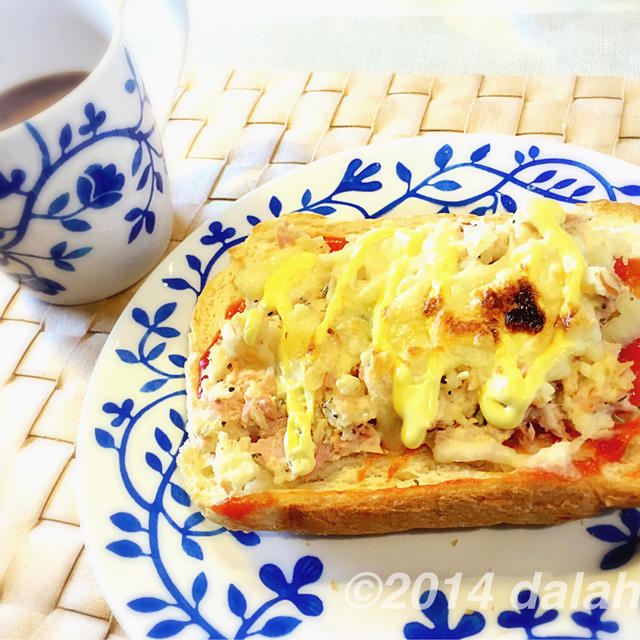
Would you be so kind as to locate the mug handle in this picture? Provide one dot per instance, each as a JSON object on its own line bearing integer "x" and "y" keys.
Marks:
{"x": 156, "y": 34}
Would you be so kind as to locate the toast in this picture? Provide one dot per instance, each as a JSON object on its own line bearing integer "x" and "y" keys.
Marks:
{"x": 439, "y": 371}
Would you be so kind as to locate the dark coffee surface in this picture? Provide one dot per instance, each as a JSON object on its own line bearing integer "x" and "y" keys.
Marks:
{"x": 23, "y": 101}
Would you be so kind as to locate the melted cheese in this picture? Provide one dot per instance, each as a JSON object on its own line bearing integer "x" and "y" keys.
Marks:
{"x": 232, "y": 462}
{"x": 385, "y": 277}
{"x": 506, "y": 396}
{"x": 358, "y": 255}
{"x": 298, "y": 444}
{"x": 417, "y": 402}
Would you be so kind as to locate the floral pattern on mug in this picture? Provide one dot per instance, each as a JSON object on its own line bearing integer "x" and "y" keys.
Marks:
{"x": 98, "y": 187}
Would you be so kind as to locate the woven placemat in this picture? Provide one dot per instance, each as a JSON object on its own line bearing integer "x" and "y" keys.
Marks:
{"x": 230, "y": 132}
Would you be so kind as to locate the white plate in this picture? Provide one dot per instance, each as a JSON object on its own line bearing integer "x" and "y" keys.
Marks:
{"x": 166, "y": 573}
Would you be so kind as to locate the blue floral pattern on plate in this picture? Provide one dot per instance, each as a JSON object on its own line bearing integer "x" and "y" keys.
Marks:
{"x": 133, "y": 422}
{"x": 525, "y": 618}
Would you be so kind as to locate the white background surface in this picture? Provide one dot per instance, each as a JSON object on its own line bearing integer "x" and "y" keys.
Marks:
{"x": 456, "y": 36}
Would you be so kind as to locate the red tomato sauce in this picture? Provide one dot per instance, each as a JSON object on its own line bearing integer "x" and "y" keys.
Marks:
{"x": 235, "y": 307}
{"x": 362, "y": 472}
{"x": 606, "y": 450}
{"x": 238, "y": 508}
{"x": 335, "y": 243}
{"x": 592, "y": 454}
{"x": 631, "y": 353}
{"x": 629, "y": 273}
{"x": 395, "y": 466}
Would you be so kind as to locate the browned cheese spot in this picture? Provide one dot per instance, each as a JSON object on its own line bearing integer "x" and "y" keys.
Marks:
{"x": 432, "y": 306}
{"x": 458, "y": 326}
{"x": 517, "y": 304}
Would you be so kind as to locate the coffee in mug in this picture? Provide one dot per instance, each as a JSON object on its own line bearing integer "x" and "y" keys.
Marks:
{"x": 29, "y": 98}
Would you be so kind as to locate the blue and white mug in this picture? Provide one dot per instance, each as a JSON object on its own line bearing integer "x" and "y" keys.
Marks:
{"x": 85, "y": 209}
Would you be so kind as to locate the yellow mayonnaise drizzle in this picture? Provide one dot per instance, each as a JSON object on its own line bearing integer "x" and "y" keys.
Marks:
{"x": 358, "y": 255}
{"x": 506, "y": 396}
{"x": 416, "y": 402}
{"x": 434, "y": 253}
{"x": 379, "y": 331}
{"x": 298, "y": 442}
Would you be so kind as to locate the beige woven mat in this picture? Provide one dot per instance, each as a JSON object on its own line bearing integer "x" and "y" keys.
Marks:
{"x": 229, "y": 132}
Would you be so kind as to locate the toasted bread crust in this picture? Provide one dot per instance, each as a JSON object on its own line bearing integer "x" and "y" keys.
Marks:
{"x": 476, "y": 499}
{"x": 516, "y": 498}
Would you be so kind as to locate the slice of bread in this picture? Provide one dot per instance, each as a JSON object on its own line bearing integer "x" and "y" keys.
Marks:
{"x": 384, "y": 485}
